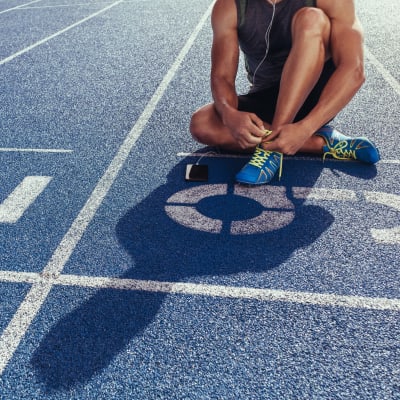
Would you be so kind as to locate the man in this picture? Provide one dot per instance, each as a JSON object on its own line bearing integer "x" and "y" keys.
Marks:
{"x": 304, "y": 61}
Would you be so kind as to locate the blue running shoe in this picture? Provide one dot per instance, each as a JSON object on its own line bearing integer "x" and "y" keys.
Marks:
{"x": 343, "y": 147}
{"x": 261, "y": 168}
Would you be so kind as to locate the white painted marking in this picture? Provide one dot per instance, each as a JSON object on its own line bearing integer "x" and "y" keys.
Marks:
{"x": 390, "y": 235}
{"x": 32, "y": 303}
{"x": 324, "y": 194}
{"x": 306, "y": 298}
{"x": 213, "y": 155}
{"x": 383, "y": 71}
{"x": 196, "y": 193}
{"x": 61, "y": 5}
{"x": 22, "y": 150}
{"x": 19, "y": 277}
{"x": 19, "y": 324}
{"x": 198, "y": 289}
{"x": 291, "y": 158}
{"x": 20, "y": 6}
{"x": 278, "y": 213}
{"x": 15, "y": 205}
{"x": 389, "y": 161}
{"x": 179, "y": 208}
{"x": 72, "y": 237}
{"x": 40, "y": 42}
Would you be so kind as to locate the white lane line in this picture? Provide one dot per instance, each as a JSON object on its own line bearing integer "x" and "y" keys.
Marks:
{"x": 72, "y": 237}
{"x": 383, "y": 71}
{"x": 40, "y": 7}
{"x": 198, "y": 289}
{"x": 20, "y": 6}
{"x": 40, "y": 42}
{"x": 20, "y": 199}
{"x": 296, "y": 158}
{"x": 305, "y": 298}
{"x": 29, "y": 307}
{"x": 213, "y": 155}
{"x": 19, "y": 324}
{"x": 22, "y": 150}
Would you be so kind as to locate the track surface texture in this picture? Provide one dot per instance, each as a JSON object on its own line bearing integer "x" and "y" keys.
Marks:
{"x": 120, "y": 280}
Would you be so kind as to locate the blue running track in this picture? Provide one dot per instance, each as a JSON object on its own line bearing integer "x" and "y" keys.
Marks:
{"x": 120, "y": 280}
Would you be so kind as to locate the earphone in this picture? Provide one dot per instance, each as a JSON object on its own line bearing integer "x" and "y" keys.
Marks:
{"x": 266, "y": 38}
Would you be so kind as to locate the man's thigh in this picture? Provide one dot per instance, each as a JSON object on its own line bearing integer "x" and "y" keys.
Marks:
{"x": 263, "y": 103}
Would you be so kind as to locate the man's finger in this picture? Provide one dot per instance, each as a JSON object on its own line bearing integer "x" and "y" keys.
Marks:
{"x": 271, "y": 146}
{"x": 258, "y": 132}
{"x": 254, "y": 141}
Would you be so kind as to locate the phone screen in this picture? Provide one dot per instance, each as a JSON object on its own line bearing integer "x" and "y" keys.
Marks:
{"x": 196, "y": 172}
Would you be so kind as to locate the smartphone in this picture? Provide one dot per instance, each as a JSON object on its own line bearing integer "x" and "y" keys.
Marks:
{"x": 196, "y": 172}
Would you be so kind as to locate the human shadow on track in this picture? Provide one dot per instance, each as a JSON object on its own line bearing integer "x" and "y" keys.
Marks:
{"x": 84, "y": 342}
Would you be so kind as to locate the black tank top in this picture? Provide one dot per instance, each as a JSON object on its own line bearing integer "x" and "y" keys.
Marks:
{"x": 254, "y": 18}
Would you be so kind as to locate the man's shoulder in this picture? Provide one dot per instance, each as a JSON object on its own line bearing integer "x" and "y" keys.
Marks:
{"x": 224, "y": 16}
{"x": 227, "y": 4}
{"x": 222, "y": 7}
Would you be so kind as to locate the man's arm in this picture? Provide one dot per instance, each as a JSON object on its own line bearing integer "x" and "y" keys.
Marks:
{"x": 224, "y": 56}
{"x": 346, "y": 48}
{"x": 246, "y": 128}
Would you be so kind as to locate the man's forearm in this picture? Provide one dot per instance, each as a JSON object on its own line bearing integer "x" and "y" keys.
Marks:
{"x": 225, "y": 97}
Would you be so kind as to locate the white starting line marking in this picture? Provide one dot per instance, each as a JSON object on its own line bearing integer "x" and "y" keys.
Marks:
{"x": 198, "y": 289}
{"x": 297, "y": 158}
{"x": 14, "y": 206}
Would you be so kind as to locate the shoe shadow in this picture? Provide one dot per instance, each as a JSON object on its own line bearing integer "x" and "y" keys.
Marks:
{"x": 84, "y": 342}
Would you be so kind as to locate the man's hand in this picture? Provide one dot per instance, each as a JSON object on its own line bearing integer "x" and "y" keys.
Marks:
{"x": 247, "y": 129}
{"x": 287, "y": 139}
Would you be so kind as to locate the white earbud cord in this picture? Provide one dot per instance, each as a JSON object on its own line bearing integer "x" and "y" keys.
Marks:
{"x": 266, "y": 37}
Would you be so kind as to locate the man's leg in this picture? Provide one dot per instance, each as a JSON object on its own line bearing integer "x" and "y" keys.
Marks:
{"x": 310, "y": 49}
{"x": 207, "y": 128}
{"x": 302, "y": 70}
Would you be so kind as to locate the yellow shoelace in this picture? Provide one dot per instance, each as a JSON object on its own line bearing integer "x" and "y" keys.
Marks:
{"x": 260, "y": 156}
{"x": 340, "y": 151}
{"x": 267, "y": 132}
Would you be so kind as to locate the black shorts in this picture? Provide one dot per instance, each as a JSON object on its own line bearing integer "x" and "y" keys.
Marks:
{"x": 263, "y": 103}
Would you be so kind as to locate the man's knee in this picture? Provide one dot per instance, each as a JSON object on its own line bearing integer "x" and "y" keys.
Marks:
{"x": 196, "y": 125}
{"x": 312, "y": 23}
{"x": 207, "y": 128}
